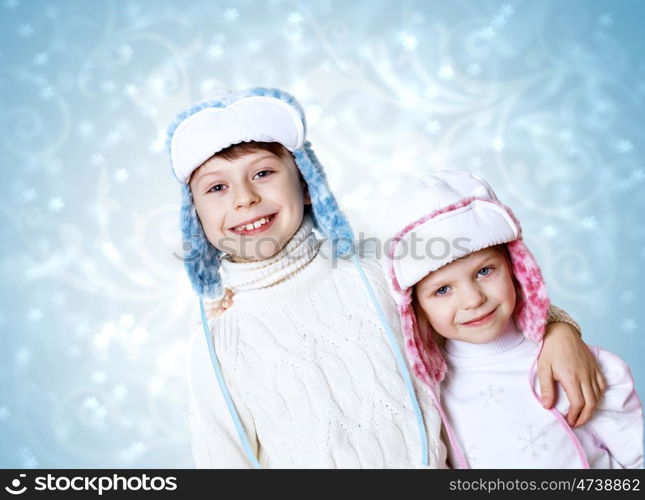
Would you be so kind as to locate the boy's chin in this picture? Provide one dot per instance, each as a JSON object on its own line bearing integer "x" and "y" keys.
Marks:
{"x": 264, "y": 252}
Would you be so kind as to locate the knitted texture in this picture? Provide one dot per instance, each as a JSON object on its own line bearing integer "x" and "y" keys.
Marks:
{"x": 310, "y": 371}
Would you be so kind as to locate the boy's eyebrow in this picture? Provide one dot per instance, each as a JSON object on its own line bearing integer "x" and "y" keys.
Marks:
{"x": 218, "y": 171}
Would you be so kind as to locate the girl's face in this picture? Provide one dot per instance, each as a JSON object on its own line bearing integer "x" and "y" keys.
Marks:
{"x": 249, "y": 207}
{"x": 471, "y": 299}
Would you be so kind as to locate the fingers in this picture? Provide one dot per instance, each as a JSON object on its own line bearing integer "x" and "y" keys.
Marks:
{"x": 576, "y": 398}
{"x": 218, "y": 306}
{"x": 547, "y": 387}
{"x": 589, "y": 404}
{"x": 602, "y": 385}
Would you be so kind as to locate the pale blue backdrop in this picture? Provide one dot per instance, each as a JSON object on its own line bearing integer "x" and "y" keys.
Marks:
{"x": 544, "y": 98}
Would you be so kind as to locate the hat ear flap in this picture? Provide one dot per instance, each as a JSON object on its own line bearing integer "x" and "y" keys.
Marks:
{"x": 532, "y": 303}
{"x": 327, "y": 216}
{"x": 201, "y": 259}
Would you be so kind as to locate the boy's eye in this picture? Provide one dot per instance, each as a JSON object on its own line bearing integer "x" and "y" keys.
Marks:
{"x": 263, "y": 173}
{"x": 485, "y": 271}
{"x": 441, "y": 290}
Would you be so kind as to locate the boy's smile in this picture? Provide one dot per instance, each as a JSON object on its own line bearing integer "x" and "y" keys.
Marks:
{"x": 250, "y": 206}
{"x": 471, "y": 299}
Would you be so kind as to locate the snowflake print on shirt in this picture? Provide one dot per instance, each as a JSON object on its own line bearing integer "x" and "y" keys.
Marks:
{"x": 534, "y": 443}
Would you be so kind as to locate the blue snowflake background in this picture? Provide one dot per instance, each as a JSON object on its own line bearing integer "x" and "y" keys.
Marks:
{"x": 545, "y": 99}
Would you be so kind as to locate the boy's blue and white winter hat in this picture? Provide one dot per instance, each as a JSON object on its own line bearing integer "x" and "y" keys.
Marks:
{"x": 225, "y": 118}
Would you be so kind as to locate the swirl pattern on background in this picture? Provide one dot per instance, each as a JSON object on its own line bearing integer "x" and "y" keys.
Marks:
{"x": 545, "y": 99}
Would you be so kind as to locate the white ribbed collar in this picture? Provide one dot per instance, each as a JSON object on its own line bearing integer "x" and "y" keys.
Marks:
{"x": 294, "y": 256}
{"x": 510, "y": 338}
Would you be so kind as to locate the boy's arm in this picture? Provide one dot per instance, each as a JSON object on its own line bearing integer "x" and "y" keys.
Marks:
{"x": 213, "y": 438}
{"x": 618, "y": 422}
{"x": 566, "y": 359}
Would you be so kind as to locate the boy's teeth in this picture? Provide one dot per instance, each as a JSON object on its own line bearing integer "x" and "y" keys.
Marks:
{"x": 255, "y": 225}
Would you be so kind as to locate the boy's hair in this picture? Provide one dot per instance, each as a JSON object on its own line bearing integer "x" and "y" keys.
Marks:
{"x": 235, "y": 151}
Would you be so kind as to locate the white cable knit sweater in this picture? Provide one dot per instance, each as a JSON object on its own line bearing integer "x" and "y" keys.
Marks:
{"x": 309, "y": 369}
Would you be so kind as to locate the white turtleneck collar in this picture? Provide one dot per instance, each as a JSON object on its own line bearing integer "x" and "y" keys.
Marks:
{"x": 294, "y": 256}
{"x": 508, "y": 339}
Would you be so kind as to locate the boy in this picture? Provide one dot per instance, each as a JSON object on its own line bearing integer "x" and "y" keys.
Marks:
{"x": 308, "y": 377}
{"x": 483, "y": 294}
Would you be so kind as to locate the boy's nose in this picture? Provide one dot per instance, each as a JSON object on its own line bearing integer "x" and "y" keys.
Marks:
{"x": 245, "y": 197}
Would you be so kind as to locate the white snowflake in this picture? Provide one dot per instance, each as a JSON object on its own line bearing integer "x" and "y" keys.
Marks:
{"x": 549, "y": 231}
{"x": 431, "y": 92}
{"x": 295, "y": 18}
{"x": 41, "y": 59}
{"x": 121, "y": 175}
{"x": 589, "y": 222}
{"x": 498, "y": 144}
{"x": 120, "y": 392}
{"x": 605, "y": 20}
{"x": 85, "y": 129}
{"x": 11, "y": 4}
{"x": 627, "y": 296}
{"x": 99, "y": 377}
{"x": 29, "y": 195}
{"x": 97, "y": 159}
{"x": 507, "y": 10}
{"x": 35, "y": 314}
{"x": 25, "y": 31}
{"x": 4, "y": 413}
{"x": 47, "y": 93}
{"x": 566, "y": 135}
{"x": 628, "y": 325}
{"x": 624, "y": 146}
{"x": 446, "y": 72}
{"x": 215, "y": 51}
{"x": 407, "y": 41}
{"x": 73, "y": 351}
{"x": 487, "y": 33}
{"x": 108, "y": 87}
{"x": 56, "y": 204}
{"x": 475, "y": 69}
{"x": 131, "y": 90}
{"x": 125, "y": 51}
{"x": 432, "y": 127}
{"x": 638, "y": 176}
{"x": 492, "y": 395}
{"x": 534, "y": 443}
{"x": 90, "y": 403}
{"x": 231, "y": 14}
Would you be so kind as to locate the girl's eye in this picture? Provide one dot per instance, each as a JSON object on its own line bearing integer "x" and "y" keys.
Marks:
{"x": 263, "y": 173}
{"x": 485, "y": 271}
{"x": 217, "y": 187}
{"x": 442, "y": 290}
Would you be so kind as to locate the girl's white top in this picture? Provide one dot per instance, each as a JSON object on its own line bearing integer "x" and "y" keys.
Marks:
{"x": 309, "y": 368}
{"x": 500, "y": 424}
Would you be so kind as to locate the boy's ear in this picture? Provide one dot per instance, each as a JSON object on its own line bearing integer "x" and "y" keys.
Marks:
{"x": 305, "y": 190}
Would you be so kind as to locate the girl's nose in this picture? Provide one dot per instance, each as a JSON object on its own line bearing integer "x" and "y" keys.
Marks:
{"x": 473, "y": 297}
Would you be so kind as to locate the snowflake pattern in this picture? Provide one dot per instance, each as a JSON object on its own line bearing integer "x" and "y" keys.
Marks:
{"x": 493, "y": 395}
{"x": 534, "y": 443}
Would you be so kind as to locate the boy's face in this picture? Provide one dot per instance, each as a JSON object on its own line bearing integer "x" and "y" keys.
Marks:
{"x": 470, "y": 299}
{"x": 251, "y": 206}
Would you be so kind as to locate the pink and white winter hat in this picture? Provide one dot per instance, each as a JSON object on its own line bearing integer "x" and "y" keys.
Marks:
{"x": 436, "y": 219}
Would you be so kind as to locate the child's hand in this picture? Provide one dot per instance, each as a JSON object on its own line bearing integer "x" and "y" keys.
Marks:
{"x": 566, "y": 359}
{"x": 218, "y": 306}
